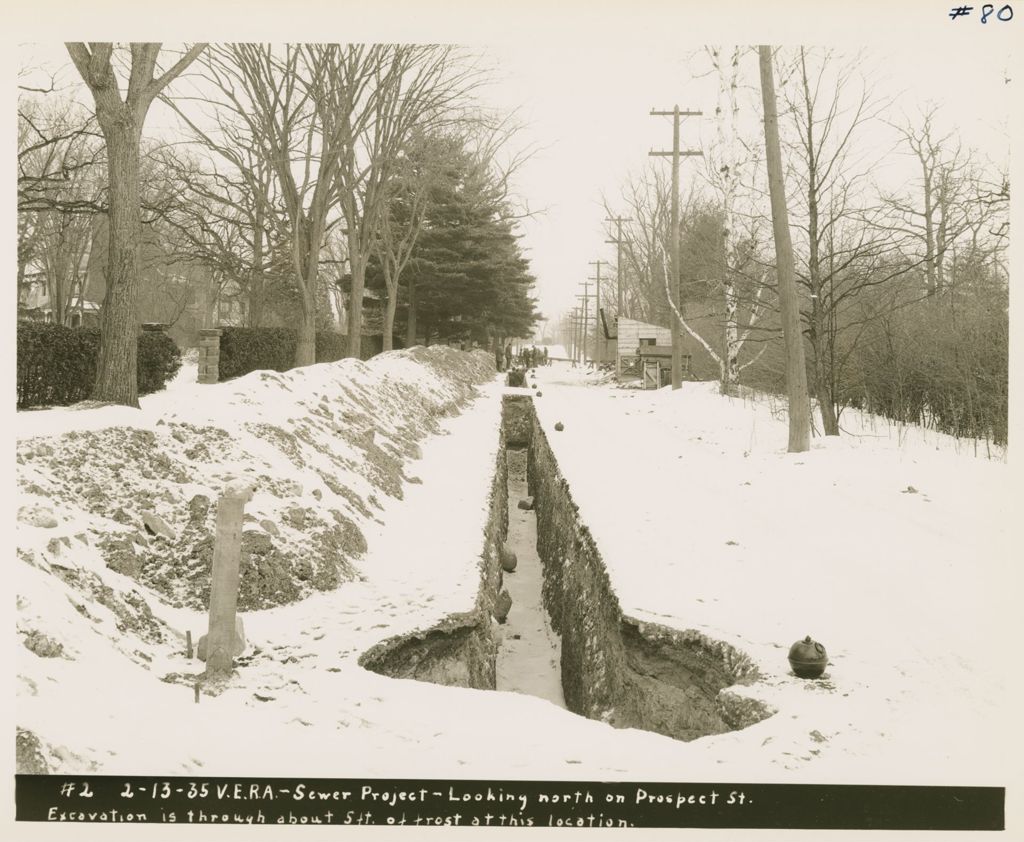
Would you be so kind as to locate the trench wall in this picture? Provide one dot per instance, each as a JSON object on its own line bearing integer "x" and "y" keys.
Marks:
{"x": 627, "y": 673}
{"x": 460, "y": 651}
{"x": 615, "y": 668}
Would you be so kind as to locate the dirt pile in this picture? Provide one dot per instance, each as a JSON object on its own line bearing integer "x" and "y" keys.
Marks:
{"x": 108, "y": 508}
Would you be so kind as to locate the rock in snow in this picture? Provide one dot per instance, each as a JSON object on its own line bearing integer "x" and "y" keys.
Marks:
{"x": 508, "y": 560}
{"x": 37, "y": 516}
{"x": 156, "y": 525}
{"x": 502, "y": 605}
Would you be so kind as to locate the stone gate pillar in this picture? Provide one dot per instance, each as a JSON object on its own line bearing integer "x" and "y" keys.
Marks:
{"x": 209, "y": 354}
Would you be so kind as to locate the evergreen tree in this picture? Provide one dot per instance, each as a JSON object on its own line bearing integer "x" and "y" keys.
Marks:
{"x": 467, "y": 277}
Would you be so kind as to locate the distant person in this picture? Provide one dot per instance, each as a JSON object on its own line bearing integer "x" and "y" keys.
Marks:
{"x": 508, "y": 356}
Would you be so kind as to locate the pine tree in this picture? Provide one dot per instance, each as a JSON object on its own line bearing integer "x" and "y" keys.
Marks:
{"x": 467, "y": 277}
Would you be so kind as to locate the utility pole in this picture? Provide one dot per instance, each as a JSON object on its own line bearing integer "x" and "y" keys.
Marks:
{"x": 677, "y": 345}
{"x": 789, "y": 304}
{"x": 598, "y": 346}
{"x": 618, "y": 220}
{"x": 575, "y": 322}
{"x": 586, "y": 314}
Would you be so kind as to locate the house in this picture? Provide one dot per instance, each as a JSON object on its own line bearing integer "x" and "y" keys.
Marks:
{"x": 638, "y": 347}
{"x": 34, "y": 303}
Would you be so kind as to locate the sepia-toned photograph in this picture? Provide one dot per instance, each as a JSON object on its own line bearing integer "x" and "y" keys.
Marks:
{"x": 515, "y": 402}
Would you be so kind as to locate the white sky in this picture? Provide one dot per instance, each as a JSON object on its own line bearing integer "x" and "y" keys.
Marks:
{"x": 584, "y": 77}
{"x": 590, "y": 108}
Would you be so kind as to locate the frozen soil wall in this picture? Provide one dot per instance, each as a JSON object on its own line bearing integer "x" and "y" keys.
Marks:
{"x": 461, "y": 650}
{"x": 322, "y": 446}
{"x": 614, "y": 668}
{"x": 117, "y": 509}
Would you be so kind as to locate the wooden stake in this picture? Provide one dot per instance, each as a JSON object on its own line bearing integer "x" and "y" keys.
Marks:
{"x": 227, "y": 550}
{"x": 188, "y": 645}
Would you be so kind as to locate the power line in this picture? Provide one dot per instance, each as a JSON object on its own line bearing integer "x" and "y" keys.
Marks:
{"x": 675, "y": 154}
{"x": 598, "y": 355}
{"x": 586, "y": 313}
{"x": 618, "y": 220}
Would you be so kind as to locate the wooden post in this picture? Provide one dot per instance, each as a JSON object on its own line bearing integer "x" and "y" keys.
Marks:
{"x": 789, "y": 304}
{"x": 677, "y": 340}
{"x": 188, "y": 645}
{"x": 585, "y": 313}
{"x": 227, "y": 550}
{"x": 618, "y": 220}
{"x": 598, "y": 338}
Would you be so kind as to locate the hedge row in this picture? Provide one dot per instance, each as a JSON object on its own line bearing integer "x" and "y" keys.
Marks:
{"x": 245, "y": 349}
{"x": 57, "y": 364}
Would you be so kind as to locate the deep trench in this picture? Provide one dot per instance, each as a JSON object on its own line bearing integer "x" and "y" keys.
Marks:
{"x": 565, "y": 621}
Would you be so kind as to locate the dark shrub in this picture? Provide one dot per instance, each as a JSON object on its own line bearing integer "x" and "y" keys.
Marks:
{"x": 331, "y": 346}
{"x": 159, "y": 361}
{"x": 57, "y": 364}
{"x": 245, "y": 349}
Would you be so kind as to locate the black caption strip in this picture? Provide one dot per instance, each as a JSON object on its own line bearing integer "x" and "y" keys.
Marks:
{"x": 424, "y": 803}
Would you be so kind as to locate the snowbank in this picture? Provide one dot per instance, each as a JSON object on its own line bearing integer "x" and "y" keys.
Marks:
{"x": 893, "y": 554}
{"x": 891, "y": 549}
{"x": 117, "y": 506}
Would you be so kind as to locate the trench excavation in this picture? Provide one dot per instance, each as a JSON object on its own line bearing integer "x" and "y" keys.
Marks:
{"x": 565, "y": 638}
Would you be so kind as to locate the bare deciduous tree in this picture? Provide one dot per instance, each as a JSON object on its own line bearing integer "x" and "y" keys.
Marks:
{"x": 121, "y": 120}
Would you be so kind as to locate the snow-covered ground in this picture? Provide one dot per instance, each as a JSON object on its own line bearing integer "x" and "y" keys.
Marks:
{"x": 892, "y": 550}
{"x": 891, "y": 547}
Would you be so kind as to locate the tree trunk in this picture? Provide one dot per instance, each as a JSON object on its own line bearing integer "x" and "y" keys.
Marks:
{"x": 410, "y": 327}
{"x": 822, "y": 378}
{"x": 22, "y": 267}
{"x": 796, "y": 373}
{"x": 306, "y": 266}
{"x": 929, "y": 230}
{"x": 305, "y": 345}
{"x": 355, "y": 303}
{"x": 387, "y": 341}
{"x": 730, "y": 359}
{"x": 256, "y": 276}
{"x": 116, "y": 376}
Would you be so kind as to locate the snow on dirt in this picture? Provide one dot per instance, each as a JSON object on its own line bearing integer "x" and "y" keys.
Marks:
{"x": 891, "y": 552}
{"x": 890, "y": 546}
{"x": 530, "y": 655}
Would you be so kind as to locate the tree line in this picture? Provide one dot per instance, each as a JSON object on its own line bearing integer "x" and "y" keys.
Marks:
{"x": 296, "y": 174}
{"x": 900, "y": 236}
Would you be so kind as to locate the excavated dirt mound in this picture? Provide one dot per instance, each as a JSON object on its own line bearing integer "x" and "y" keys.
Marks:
{"x": 322, "y": 446}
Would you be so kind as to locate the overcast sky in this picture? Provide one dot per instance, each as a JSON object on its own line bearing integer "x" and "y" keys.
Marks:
{"x": 584, "y": 78}
{"x": 590, "y": 109}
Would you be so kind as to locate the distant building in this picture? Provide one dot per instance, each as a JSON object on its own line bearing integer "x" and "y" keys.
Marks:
{"x": 642, "y": 350}
{"x": 34, "y": 303}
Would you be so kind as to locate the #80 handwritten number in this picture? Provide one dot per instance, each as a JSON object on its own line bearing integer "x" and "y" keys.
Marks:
{"x": 1004, "y": 13}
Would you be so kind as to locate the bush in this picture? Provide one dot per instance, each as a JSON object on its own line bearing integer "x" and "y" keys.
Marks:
{"x": 245, "y": 349}
{"x": 57, "y": 364}
{"x": 159, "y": 361}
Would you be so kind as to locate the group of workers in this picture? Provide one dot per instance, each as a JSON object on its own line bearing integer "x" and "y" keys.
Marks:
{"x": 526, "y": 358}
